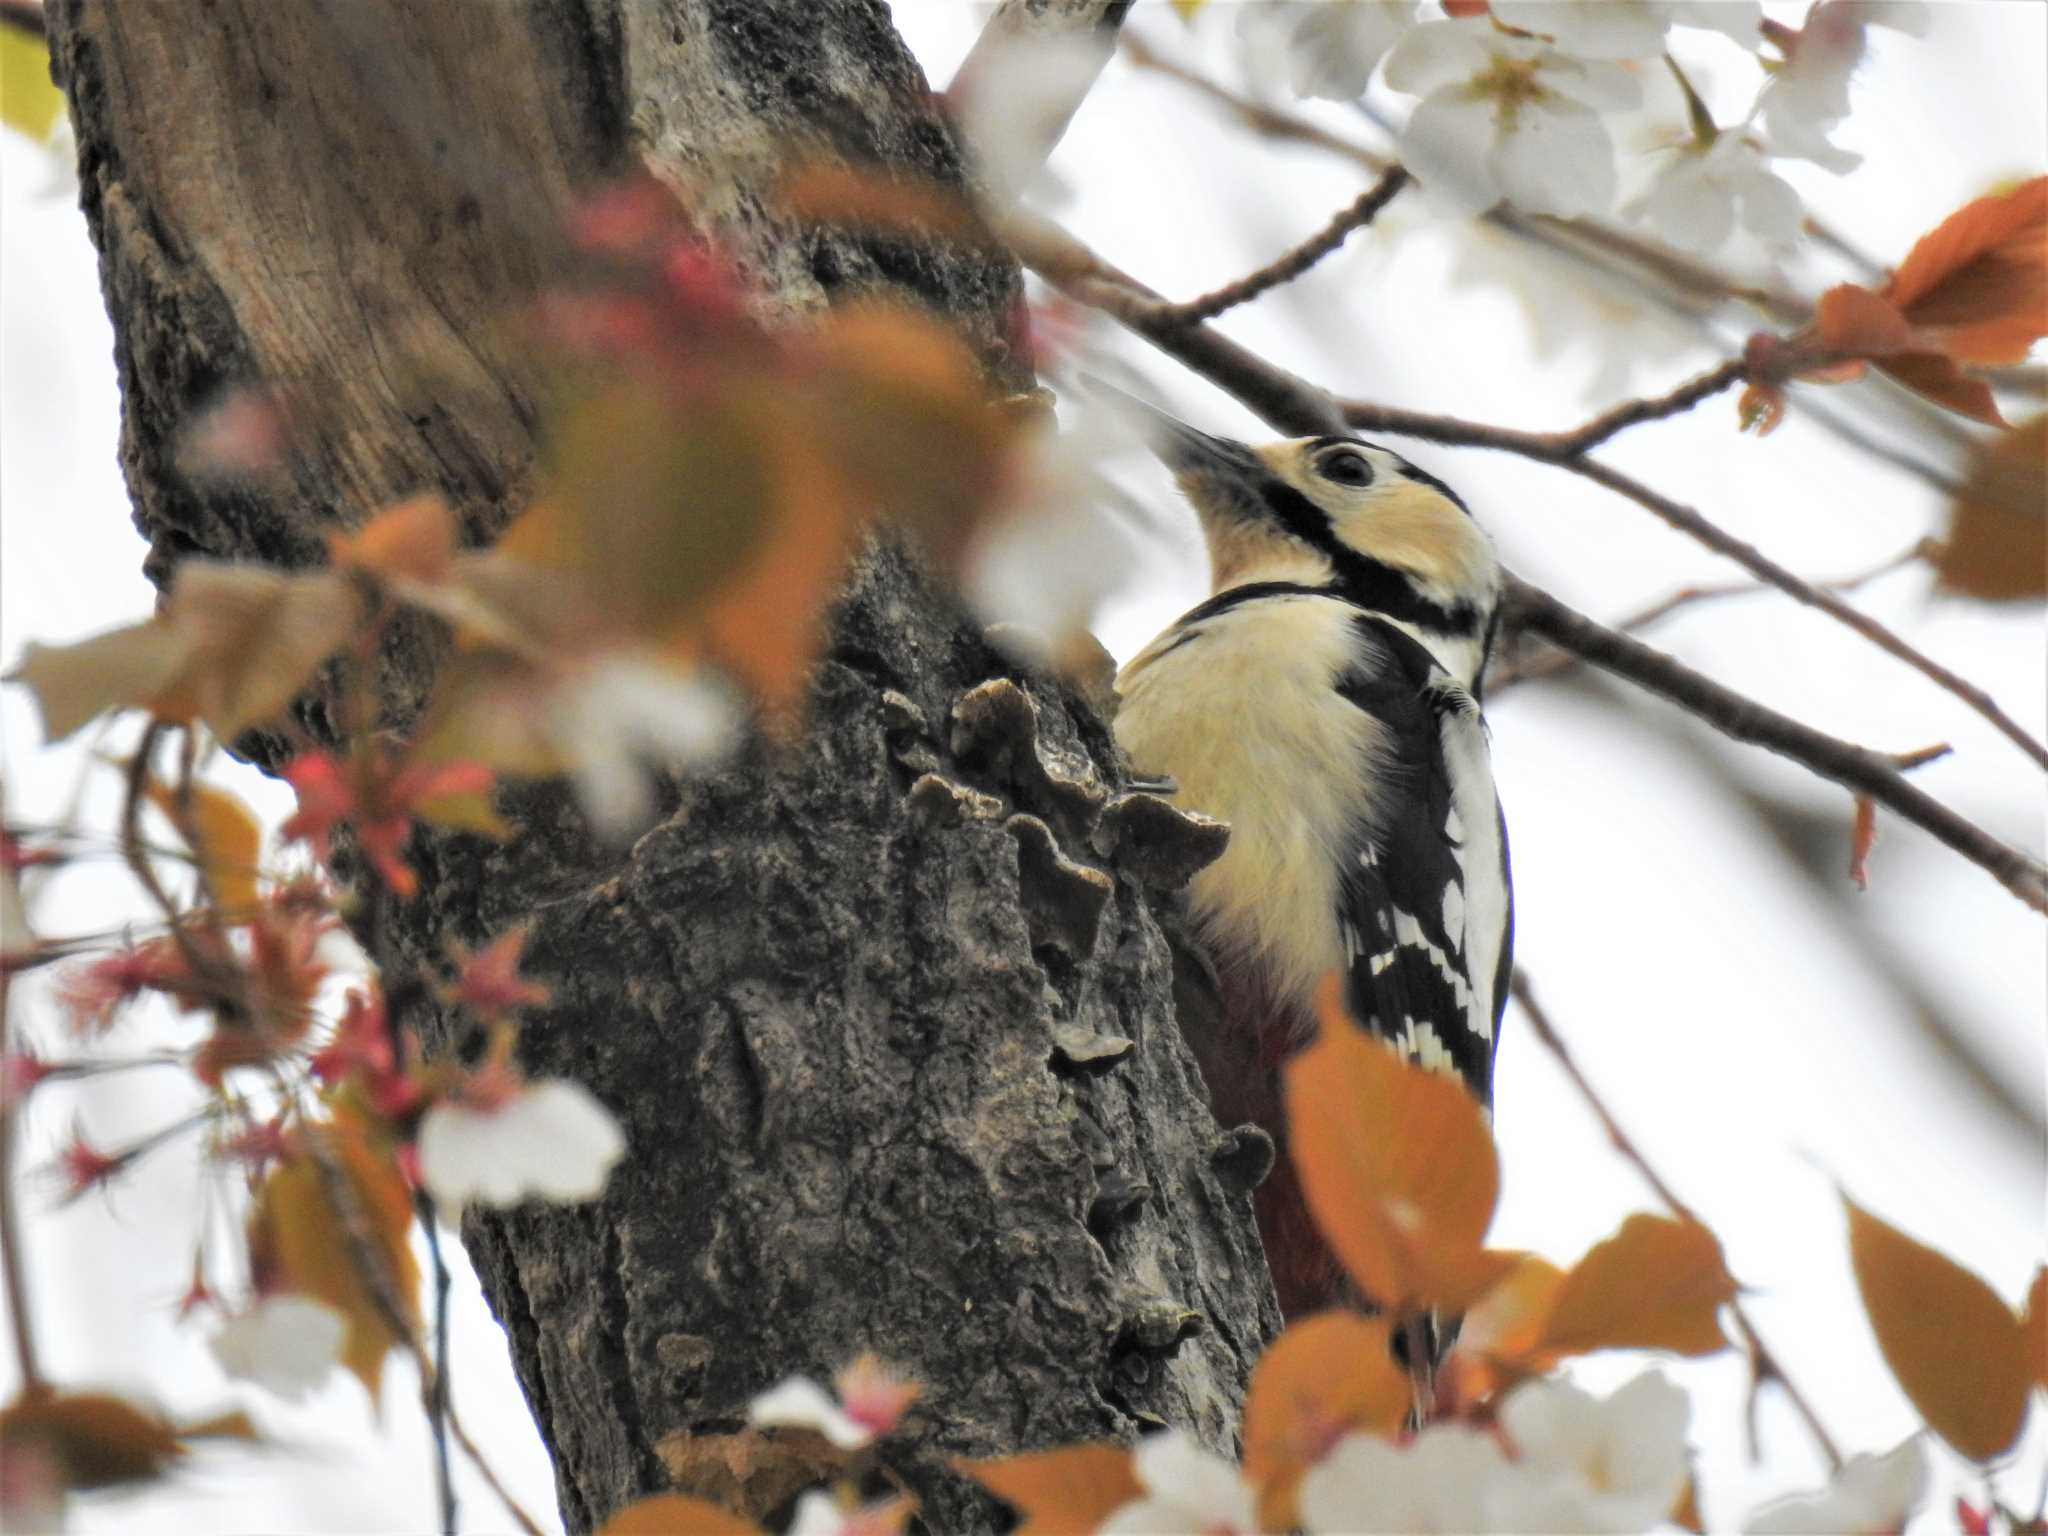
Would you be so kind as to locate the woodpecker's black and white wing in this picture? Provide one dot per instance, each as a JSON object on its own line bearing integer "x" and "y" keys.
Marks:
{"x": 1425, "y": 906}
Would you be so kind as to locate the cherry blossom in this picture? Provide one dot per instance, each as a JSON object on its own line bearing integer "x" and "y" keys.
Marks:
{"x": 1325, "y": 48}
{"x": 1869, "y": 1494}
{"x": 819, "y": 1514}
{"x": 1449, "y": 1478}
{"x": 286, "y": 1344}
{"x": 871, "y": 1401}
{"x": 1188, "y": 1492}
{"x": 1507, "y": 117}
{"x": 1013, "y": 101}
{"x": 623, "y": 713}
{"x": 1802, "y": 102}
{"x": 501, "y": 1142}
{"x": 1629, "y": 29}
{"x": 1603, "y": 1464}
{"x": 1703, "y": 193}
{"x": 1054, "y": 555}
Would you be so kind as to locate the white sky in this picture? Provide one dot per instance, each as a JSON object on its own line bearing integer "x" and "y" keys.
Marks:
{"x": 1734, "y": 1025}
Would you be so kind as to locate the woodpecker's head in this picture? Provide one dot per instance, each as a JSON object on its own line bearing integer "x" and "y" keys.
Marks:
{"x": 1345, "y": 514}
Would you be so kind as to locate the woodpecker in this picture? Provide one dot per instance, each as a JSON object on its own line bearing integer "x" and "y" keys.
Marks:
{"x": 1324, "y": 701}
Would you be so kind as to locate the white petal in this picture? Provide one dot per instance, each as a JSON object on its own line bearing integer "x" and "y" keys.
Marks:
{"x": 1448, "y": 1479}
{"x": 287, "y": 1344}
{"x": 1593, "y": 83}
{"x": 817, "y": 1514}
{"x": 1687, "y": 207}
{"x": 1909, "y": 16}
{"x": 1594, "y": 29}
{"x": 1869, "y": 1494}
{"x": 1174, "y": 1468}
{"x": 1447, "y": 145}
{"x": 553, "y": 1140}
{"x": 1335, "y": 45}
{"x": 1558, "y": 159}
{"x": 626, "y": 711}
{"x": 1016, "y": 105}
{"x": 1603, "y": 1464}
{"x": 1741, "y": 20}
{"x": 802, "y": 1403}
{"x": 1437, "y": 53}
{"x": 1771, "y": 210}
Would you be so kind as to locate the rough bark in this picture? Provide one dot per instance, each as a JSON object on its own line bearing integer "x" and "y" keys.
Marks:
{"x": 887, "y": 1017}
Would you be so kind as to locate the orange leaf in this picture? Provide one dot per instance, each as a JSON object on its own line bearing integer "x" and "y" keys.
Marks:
{"x": 223, "y": 835}
{"x": 671, "y": 1514}
{"x": 1936, "y": 376}
{"x": 1760, "y": 409}
{"x": 764, "y": 622}
{"x": 2034, "y": 1329}
{"x": 1325, "y": 1377}
{"x": 1502, "y": 1335}
{"x": 1397, "y": 1165}
{"x": 410, "y": 540}
{"x": 319, "y": 1240}
{"x": 1858, "y": 323}
{"x": 1862, "y": 838}
{"x": 1997, "y": 545}
{"x": 1951, "y": 1343}
{"x": 1064, "y": 1492}
{"x": 1978, "y": 281}
{"x": 97, "y": 1440}
{"x": 1655, "y": 1284}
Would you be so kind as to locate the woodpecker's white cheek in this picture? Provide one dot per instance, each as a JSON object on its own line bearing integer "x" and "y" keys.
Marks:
{"x": 1244, "y": 717}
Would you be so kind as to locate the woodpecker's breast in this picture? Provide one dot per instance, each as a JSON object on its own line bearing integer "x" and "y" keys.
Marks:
{"x": 1237, "y": 703}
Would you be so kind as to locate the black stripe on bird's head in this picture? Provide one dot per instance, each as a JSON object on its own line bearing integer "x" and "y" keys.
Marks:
{"x": 1337, "y": 512}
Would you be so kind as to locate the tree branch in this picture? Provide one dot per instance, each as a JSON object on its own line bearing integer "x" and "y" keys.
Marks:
{"x": 1292, "y": 405}
{"x": 1285, "y": 269}
{"x": 1528, "y": 670}
{"x": 1854, "y": 767}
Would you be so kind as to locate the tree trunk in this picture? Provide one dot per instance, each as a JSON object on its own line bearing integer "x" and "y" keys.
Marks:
{"x": 886, "y": 1016}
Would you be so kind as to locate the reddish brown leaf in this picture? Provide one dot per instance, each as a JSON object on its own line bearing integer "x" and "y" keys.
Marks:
{"x": 1936, "y": 376}
{"x": 1951, "y": 1343}
{"x": 1501, "y": 1338}
{"x": 1398, "y": 1167}
{"x": 1862, "y": 838}
{"x": 411, "y": 540}
{"x": 97, "y": 1440}
{"x": 1997, "y": 545}
{"x": 1760, "y": 409}
{"x": 1978, "y": 282}
{"x": 1855, "y": 322}
{"x": 670, "y": 1514}
{"x": 1655, "y": 1284}
{"x": 2034, "y": 1329}
{"x": 224, "y": 836}
{"x": 1325, "y": 1377}
{"x": 1064, "y": 1492}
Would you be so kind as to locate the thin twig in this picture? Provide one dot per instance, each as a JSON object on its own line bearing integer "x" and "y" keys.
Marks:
{"x": 1764, "y": 1365}
{"x": 10, "y": 1231}
{"x": 1286, "y": 268}
{"x": 401, "y": 989}
{"x": 489, "y": 1474}
{"x": 1875, "y": 774}
{"x": 1533, "y": 669}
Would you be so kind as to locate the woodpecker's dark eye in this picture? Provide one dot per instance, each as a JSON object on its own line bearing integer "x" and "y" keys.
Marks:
{"x": 1345, "y": 466}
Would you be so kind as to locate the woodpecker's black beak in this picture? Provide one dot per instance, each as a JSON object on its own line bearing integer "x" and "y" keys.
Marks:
{"x": 1182, "y": 448}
